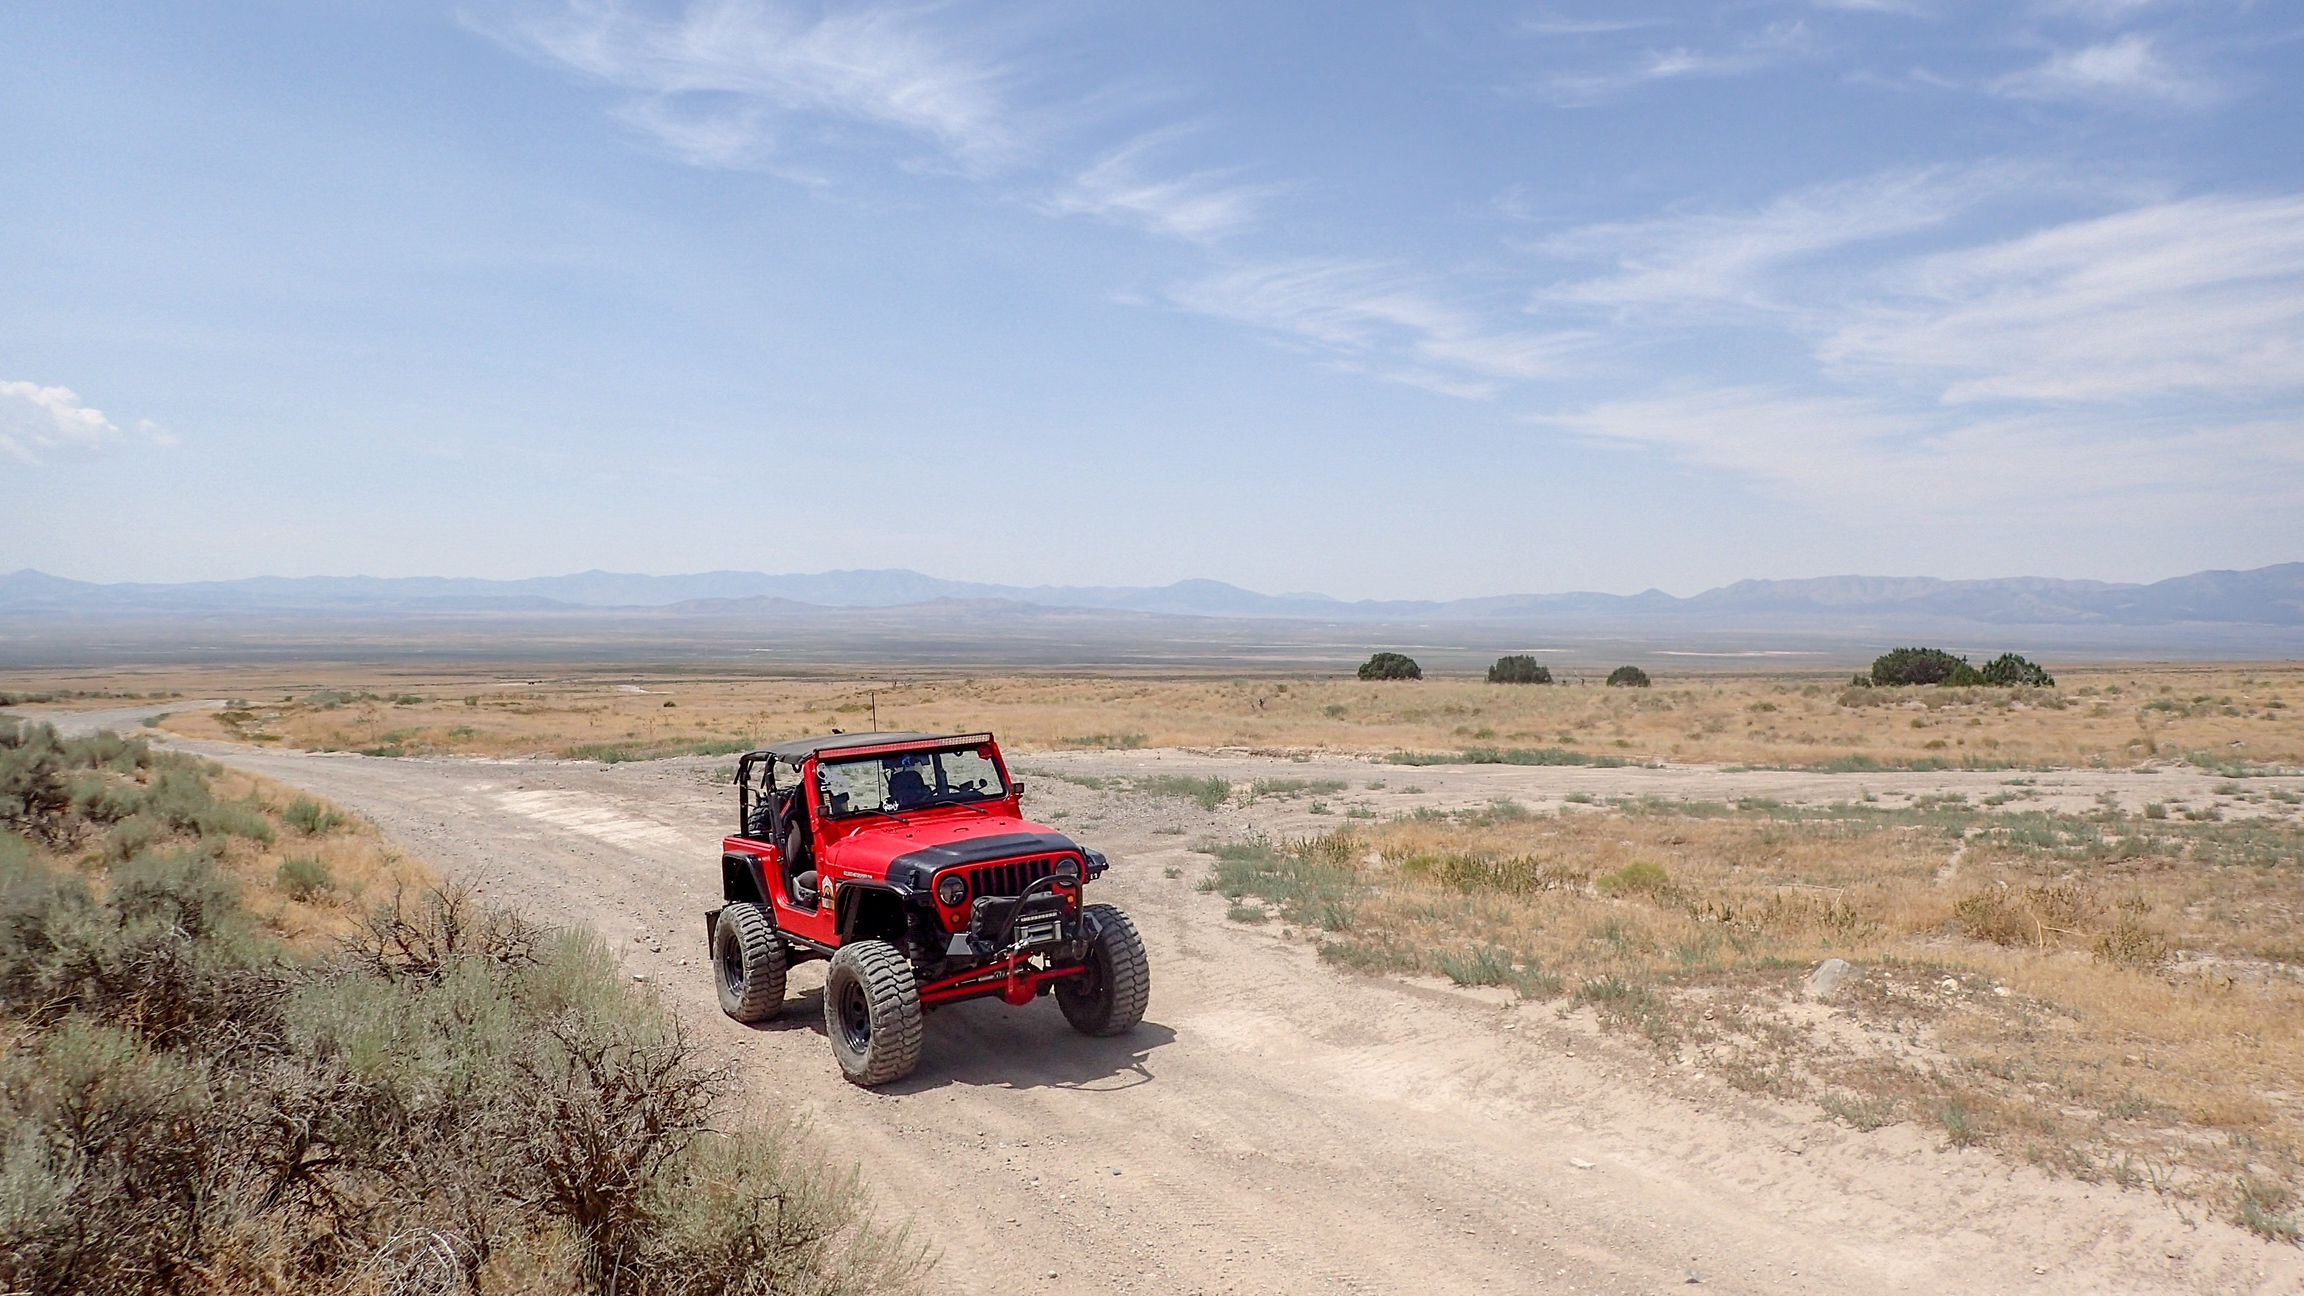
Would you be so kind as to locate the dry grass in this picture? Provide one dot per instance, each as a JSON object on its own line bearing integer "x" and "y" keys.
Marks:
{"x": 2220, "y": 715}
{"x": 337, "y": 862}
{"x": 2112, "y": 998}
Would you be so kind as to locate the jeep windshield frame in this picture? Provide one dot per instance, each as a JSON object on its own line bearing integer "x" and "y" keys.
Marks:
{"x": 909, "y": 780}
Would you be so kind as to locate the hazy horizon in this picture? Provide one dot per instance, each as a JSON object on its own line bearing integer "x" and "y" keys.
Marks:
{"x": 939, "y": 579}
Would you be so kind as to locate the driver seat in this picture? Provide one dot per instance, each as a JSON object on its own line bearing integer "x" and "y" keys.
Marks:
{"x": 800, "y": 866}
{"x": 907, "y": 789}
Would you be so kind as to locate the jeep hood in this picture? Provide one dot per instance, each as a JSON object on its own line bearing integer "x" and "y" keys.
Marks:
{"x": 910, "y": 855}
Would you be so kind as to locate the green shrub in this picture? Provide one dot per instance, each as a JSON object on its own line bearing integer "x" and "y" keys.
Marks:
{"x": 34, "y": 795}
{"x": 1960, "y": 1128}
{"x": 1519, "y": 668}
{"x": 1106, "y": 741}
{"x": 1287, "y": 787}
{"x": 1507, "y": 756}
{"x": 1207, "y": 793}
{"x": 100, "y": 800}
{"x": 1615, "y": 996}
{"x": 1481, "y": 965}
{"x": 2264, "y": 1209}
{"x": 1627, "y": 677}
{"x": 311, "y": 818}
{"x": 1866, "y": 1114}
{"x": 615, "y": 753}
{"x": 233, "y": 819}
{"x": 1923, "y": 666}
{"x": 1310, "y": 882}
{"x": 2009, "y": 671}
{"x": 107, "y": 1167}
{"x": 1638, "y": 876}
{"x": 181, "y": 890}
{"x": 133, "y": 836}
{"x": 1391, "y": 666}
{"x": 738, "y": 1214}
{"x": 1531, "y": 981}
{"x": 304, "y": 877}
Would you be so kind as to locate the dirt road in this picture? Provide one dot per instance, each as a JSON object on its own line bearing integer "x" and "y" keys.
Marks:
{"x": 1275, "y": 1126}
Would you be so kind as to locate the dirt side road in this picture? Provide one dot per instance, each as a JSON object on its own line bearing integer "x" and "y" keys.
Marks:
{"x": 1275, "y": 1126}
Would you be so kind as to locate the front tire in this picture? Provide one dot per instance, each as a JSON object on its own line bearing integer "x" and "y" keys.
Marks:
{"x": 1108, "y": 998}
{"x": 748, "y": 963}
{"x": 872, "y": 1013}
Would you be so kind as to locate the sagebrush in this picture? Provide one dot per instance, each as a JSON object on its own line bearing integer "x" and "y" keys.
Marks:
{"x": 452, "y": 1100}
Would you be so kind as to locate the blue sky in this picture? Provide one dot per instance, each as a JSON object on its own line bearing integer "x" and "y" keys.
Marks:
{"x": 1403, "y": 300}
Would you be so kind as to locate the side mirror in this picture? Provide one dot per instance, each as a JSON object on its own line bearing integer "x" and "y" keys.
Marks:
{"x": 1016, "y": 788}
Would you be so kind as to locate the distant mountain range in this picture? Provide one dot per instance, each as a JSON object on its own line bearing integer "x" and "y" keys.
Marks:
{"x": 2265, "y": 597}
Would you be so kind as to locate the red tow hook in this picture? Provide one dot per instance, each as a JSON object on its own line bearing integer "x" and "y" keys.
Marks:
{"x": 1020, "y": 989}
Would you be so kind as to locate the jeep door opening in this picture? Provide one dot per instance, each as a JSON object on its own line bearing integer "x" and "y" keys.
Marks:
{"x": 906, "y": 861}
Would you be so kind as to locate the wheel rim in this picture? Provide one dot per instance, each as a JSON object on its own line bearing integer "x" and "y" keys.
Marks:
{"x": 855, "y": 1017}
{"x": 732, "y": 963}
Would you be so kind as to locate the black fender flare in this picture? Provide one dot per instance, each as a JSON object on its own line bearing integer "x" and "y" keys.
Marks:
{"x": 859, "y": 898}
{"x": 744, "y": 876}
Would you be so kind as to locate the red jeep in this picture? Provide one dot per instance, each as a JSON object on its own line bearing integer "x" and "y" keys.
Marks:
{"x": 905, "y": 859}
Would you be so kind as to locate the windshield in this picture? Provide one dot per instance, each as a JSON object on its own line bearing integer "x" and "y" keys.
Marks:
{"x": 909, "y": 781}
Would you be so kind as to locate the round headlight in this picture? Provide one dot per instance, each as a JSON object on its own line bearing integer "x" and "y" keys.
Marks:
{"x": 1068, "y": 869}
{"x": 951, "y": 889}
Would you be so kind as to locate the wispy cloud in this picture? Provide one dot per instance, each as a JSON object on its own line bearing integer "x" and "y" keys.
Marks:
{"x": 1700, "y": 261}
{"x": 37, "y": 420}
{"x": 1871, "y": 458}
{"x": 2126, "y": 67}
{"x": 2102, "y": 11}
{"x": 1200, "y": 207}
{"x": 1584, "y": 87}
{"x": 715, "y": 81}
{"x": 2202, "y": 296}
{"x": 2156, "y": 352}
{"x": 1547, "y": 25}
{"x": 1378, "y": 318}
{"x": 1907, "y": 8}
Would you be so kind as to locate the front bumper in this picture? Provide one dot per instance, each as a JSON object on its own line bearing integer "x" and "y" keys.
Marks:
{"x": 1016, "y": 976}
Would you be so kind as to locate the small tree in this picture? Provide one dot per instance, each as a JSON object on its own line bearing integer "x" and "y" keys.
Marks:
{"x": 1627, "y": 677}
{"x": 1923, "y": 666}
{"x": 1391, "y": 666}
{"x": 1519, "y": 668}
{"x": 2009, "y": 670}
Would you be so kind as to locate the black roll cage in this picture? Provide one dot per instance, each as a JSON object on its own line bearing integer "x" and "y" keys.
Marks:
{"x": 744, "y": 766}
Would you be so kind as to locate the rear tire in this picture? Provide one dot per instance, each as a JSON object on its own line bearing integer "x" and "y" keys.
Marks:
{"x": 872, "y": 1013}
{"x": 1108, "y": 998}
{"x": 748, "y": 963}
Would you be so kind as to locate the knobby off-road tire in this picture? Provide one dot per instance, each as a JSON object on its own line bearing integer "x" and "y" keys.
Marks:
{"x": 872, "y": 1013}
{"x": 1108, "y": 998}
{"x": 748, "y": 963}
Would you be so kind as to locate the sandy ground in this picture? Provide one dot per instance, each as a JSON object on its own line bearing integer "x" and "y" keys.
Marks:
{"x": 1276, "y": 1126}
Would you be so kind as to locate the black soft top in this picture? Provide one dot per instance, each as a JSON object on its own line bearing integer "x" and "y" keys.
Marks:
{"x": 795, "y": 750}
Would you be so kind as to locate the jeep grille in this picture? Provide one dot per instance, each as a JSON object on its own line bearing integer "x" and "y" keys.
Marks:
{"x": 1008, "y": 878}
